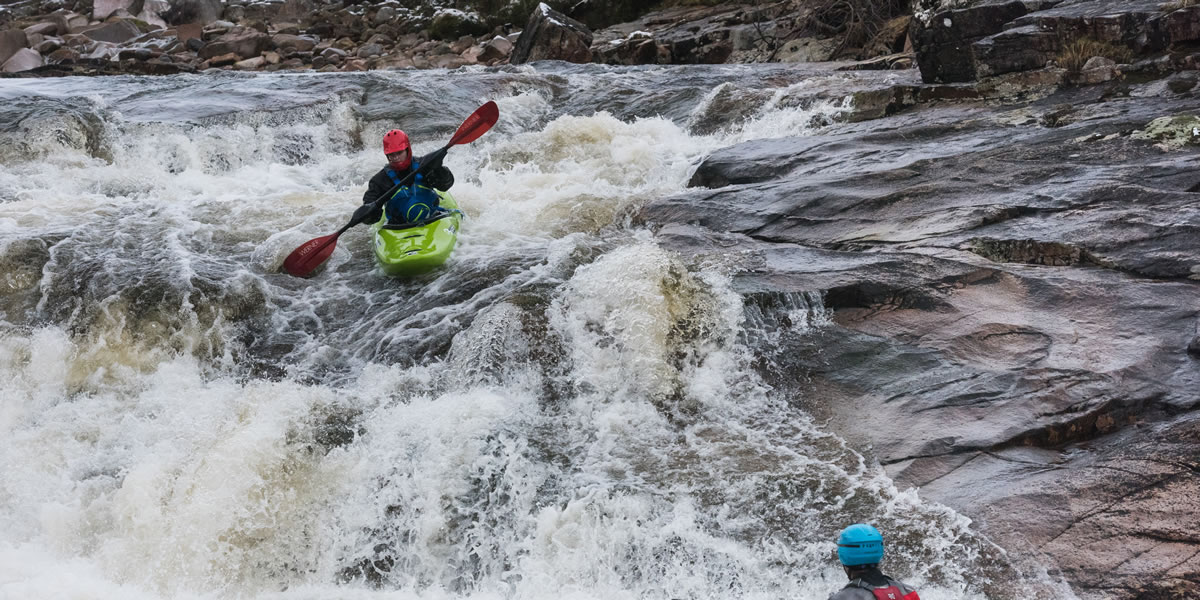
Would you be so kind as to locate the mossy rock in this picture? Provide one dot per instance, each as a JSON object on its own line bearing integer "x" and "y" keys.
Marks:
{"x": 1176, "y": 131}
{"x": 453, "y": 24}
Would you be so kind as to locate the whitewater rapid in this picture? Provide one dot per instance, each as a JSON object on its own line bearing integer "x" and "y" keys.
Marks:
{"x": 565, "y": 410}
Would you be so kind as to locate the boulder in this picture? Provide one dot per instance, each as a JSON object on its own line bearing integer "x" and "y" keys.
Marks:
{"x": 103, "y": 9}
{"x": 943, "y": 42}
{"x": 451, "y": 24}
{"x": 43, "y": 28}
{"x": 369, "y": 50}
{"x": 250, "y": 63}
{"x": 638, "y": 49}
{"x": 115, "y": 32}
{"x": 11, "y": 41}
{"x": 194, "y": 11}
{"x": 223, "y": 60}
{"x": 245, "y": 43}
{"x": 385, "y": 14}
{"x": 69, "y": 22}
{"x": 461, "y": 44}
{"x": 288, "y": 44}
{"x": 1098, "y": 69}
{"x": 551, "y": 35}
{"x": 152, "y": 11}
{"x": 497, "y": 48}
{"x": 139, "y": 54}
{"x": 48, "y": 46}
{"x": 807, "y": 50}
{"x": 23, "y": 60}
{"x": 62, "y": 55}
{"x": 448, "y": 61}
{"x": 279, "y": 10}
{"x": 189, "y": 31}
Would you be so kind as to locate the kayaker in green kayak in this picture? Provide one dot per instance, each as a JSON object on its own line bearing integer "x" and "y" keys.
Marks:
{"x": 412, "y": 203}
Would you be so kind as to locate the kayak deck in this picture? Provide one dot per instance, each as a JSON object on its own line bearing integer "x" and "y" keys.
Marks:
{"x": 403, "y": 250}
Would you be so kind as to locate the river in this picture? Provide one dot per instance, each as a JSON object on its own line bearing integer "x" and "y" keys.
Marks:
{"x": 565, "y": 410}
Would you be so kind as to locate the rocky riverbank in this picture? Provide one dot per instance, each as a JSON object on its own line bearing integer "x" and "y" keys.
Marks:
{"x": 158, "y": 37}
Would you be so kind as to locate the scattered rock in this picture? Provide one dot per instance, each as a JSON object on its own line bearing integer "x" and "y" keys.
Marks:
{"x": 68, "y": 22}
{"x": 23, "y": 60}
{"x": 224, "y": 59}
{"x": 1182, "y": 84}
{"x": 461, "y": 44}
{"x": 279, "y": 11}
{"x": 115, "y": 32}
{"x": 289, "y": 44}
{"x": 243, "y": 43}
{"x": 450, "y": 24}
{"x": 1098, "y": 69}
{"x": 48, "y": 46}
{"x": 807, "y": 50}
{"x": 43, "y": 28}
{"x": 384, "y": 15}
{"x": 250, "y": 63}
{"x": 498, "y": 48}
{"x": 640, "y": 48}
{"x": 11, "y": 41}
{"x": 63, "y": 55}
{"x": 102, "y": 9}
{"x": 369, "y": 50}
{"x": 194, "y": 11}
{"x": 551, "y": 35}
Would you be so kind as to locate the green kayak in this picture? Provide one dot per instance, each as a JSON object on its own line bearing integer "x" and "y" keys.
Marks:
{"x": 412, "y": 249}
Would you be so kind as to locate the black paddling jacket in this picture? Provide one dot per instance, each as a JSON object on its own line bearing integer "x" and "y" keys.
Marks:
{"x": 873, "y": 585}
{"x": 438, "y": 177}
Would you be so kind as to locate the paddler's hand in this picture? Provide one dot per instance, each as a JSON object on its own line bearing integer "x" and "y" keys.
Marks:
{"x": 363, "y": 214}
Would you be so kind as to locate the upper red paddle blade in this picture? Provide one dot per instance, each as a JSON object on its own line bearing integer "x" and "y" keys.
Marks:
{"x": 477, "y": 124}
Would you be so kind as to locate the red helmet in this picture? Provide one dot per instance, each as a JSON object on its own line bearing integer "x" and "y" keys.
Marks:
{"x": 395, "y": 141}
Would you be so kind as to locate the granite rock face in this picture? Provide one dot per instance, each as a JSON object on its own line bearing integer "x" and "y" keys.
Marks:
{"x": 1013, "y": 296}
{"x": 988, "y": 39}
{"x": 551, "y": 35}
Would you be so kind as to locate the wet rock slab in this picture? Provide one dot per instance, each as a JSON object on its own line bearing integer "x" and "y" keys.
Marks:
{"x": 1014, "y": 290}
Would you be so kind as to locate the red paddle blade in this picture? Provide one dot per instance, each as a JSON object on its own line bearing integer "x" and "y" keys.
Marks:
{"x": 477, "y": 124}
{"x": 305, "y": 259}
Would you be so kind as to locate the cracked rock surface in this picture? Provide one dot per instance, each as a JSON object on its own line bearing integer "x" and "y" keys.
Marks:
{"x": 1013, "y": 292}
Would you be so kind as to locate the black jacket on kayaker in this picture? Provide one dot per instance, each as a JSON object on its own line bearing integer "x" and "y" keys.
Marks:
{"x": 414, "y": 201}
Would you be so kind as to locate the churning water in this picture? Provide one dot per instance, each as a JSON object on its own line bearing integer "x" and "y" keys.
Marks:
{"x": 564, "y": 411}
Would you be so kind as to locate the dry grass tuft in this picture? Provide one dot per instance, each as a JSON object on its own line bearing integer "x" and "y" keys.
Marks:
{"x": 1076, "y": 54}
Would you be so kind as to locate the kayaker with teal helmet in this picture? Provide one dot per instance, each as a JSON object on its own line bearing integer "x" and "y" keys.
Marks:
{"x": 414, "y": 202}
{"x": 860, "y": 548}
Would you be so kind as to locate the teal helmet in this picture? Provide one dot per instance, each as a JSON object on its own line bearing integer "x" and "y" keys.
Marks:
{"x": 860, "y": 544}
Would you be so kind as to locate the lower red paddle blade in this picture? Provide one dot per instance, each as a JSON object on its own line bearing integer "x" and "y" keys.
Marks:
{"x": 305, "y": 259}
